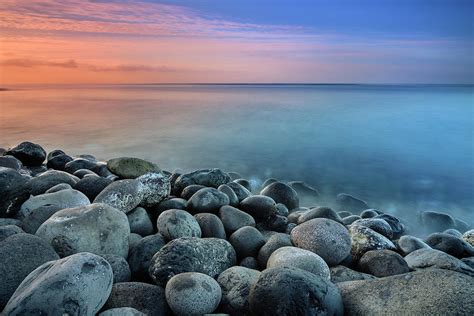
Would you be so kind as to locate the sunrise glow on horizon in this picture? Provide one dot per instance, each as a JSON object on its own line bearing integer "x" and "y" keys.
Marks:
{"x": 76, "y": 41}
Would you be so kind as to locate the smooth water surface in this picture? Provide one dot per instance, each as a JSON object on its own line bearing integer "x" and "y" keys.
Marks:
{"x": 409, "y": 147}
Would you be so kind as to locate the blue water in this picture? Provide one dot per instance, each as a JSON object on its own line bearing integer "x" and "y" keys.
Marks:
{"x": 406, "y": 148}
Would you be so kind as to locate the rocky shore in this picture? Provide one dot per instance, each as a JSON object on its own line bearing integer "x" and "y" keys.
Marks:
{"x": 80, "y": 236}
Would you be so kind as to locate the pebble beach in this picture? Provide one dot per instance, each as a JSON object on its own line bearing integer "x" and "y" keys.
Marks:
{"x": 80, "y": 236}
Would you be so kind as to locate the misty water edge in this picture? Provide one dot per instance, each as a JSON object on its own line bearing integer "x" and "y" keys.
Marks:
{"x": 403, "y": 149}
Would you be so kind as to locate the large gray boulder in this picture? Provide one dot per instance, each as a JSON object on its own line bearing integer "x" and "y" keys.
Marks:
{"x": 124, "y": 195}
{"x": 41, "y": 183}
{"x": 14, "y": 190}
{"x": 77, "y": 285}
{"x": 432, "y": 258}
{"x": 96, "y": 228}
{"x": 206, "y": 177}
{"x": 210, "y": 256}
{"x": 174, "y": 224}
{"x": 424, "y": 292}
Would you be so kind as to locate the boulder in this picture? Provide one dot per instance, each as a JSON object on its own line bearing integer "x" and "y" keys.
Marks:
{"x": 342, "y": 274}
{"x": 247, "y": 241}
{"x": 49, "y": 179}
{"x": 92, "y": 185}
{"x": 432, "y": 258}
{"x": 14, "y": 190}
{"x": 364, "y": 239}
{"x": 174, "y": 224}
{"x": 259, "y": 206}
{"x": 282, "y": 193}
{"x": 347, "y": 202}
{"x": 140, "y": 222}
{"x": 123, "y": 195}
{"x": 382, "y": 263}
{"x": 207, "y": 200}
{"x": 211, "y": 225}
{"x": 28, "y": 153}
{"x": 233, "y": 218}
{"x": 131, "y": 168}
{"x": 207, "y": 177}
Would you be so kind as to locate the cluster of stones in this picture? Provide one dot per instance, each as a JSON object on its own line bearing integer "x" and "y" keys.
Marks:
{"x": 80, "y": 236}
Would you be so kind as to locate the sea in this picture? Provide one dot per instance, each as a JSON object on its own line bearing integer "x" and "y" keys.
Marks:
{"x": 401, "y": 148}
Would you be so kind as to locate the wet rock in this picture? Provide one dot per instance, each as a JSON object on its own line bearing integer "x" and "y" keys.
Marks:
{"x": 259, "y": 206}
{"x": 210, "y": 256}
{"x": 155, "y": 187}
{"x": 146, "y": 298}
{"x": 8, "y": 230}
{"x": 227, "y": 190}
{"x": 10, "y": 162}
{"x": 122, "y": 311}
{"x": 269, "y": 181}
{"x": 169, "y": 203}
{"x": 292, "y": 291}
{"x": 123, "y": 195}
{"x": 59, "y": 187}
{"x": 19, "y": 255}
{"x": 120, "y": 268}
{"x": 92, "y": 185}
{"x": 28, "y": 153}
{"x": 14, "y": 190}
{"x": 233, "y": 219}
{"x": 407, "y": 244}
{"x": 432, "y": 258}
{"x": 239, "y": 190}
{"x": 369, "y": 213}
{"x": 364, "y": 239}
{"x": 10, "y": 221}
{"x": 273, "y": 243}
{"x": 207, "y": 177}
{"x": 282, "y": 193}
{"x": 61, "y": 199}
{"x": 131, "y": 168}
{"x": 140, "y": 222}
{"x": 415, "y": 293}
{"x": 246, "y": 241}
{"x": 350, "y": 219}
{"x": 342, "y": 274}
{"x": 81, "y": 173}
{"x": 211, "y": 225}
{"x": 376, "y": 224}
{"x": 174, "y": 224}
{"x": 347, "y": 202}
{"x": 437, "y": 221}
{"x": 289, "y": 228}
{"x": 141, "y": 254}
{"x": 382, "y": 263}
{"x": 192, "y": 293}
{"x": 33, "y": 220}
{"x": 398, "y": 227}
{"x": 299, "y": 258}
{"x": 96, "y": 228}
{"x": 295, "y": 214}
{"x": 245, "y": 183}
{"x": 305, "y": 191}
{"x": 282, "y": 210}
{"x": 59, "y": 162}
{"x": 190, "y": 190}
{"x": 324, "y": 237}
{"x": 450, "y": 244}
{"x": 133, "y": 240}
{"x": 234, "y": 175}
{"x": 453, "y": 232}
{"x": 319, "y": 212}
{"x": 57, "y": 287}
{"x": 49, "y": 179}
{"x": 54, "y": 153}
{"x": 207, "y": 200}
{"x": 343, "y": 214}
{"x": 249, "y": 263}
{"x": 235, "y": 283}
{"x": 468, "y": 261}
{"x": 79, "y": 163}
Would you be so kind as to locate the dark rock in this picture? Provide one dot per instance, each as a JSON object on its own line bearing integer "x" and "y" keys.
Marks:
{"x": 343, "y": 214}
{"x": 320, "y": 212}
{"x": 295, "y": 214}
{"x": 207, "y": 200}
{"x": 81, "y": 173}
{"x": 192, "y": 293}
{"x": 398, "y": 228}
{"x": 346, "y": 202}
{"x": 131, "y": 168}
{"x": 146, "y": 298}
{"x": 33, "y": 220}
{"x": 407, "y": 244}
{"x": 10, "y": 162}
{"x": 79, "y": 163}
{"x": 120, "y": 268}
{"x": 292, "y": 291}
{"x": 14, "y": 190}
{"x": 54, "y": 153}
{"x": 245, "y": 183}
{"x": 325, "y": 237}
{"x": 190, "y": 190}
{"x": 273, "y": 243}
{"x": 282, "y": 210}
{"x": 249, "y": 263}
{"x": 450, "y": 244}
{"x": 437, "y": 221}
{"x": 282, "y": 193}
{"x": 422, "y": 292}
{"x": 211, "y": 225}
{"x": 59, "y": 187}
{"x": 268, "y": 182}
{"x": 92, "y": 185}
{"x": 305, "y": 191}
{"x": 234, "y": 175}
{"x": 259, "y": 206}
{"x": 342, "y": 274}
{"x": 140, "y": 222}
{"x": 275, "y": 223}
{"x": 350, "y": 219}
{"x": 364, "y": 239}
{"x": 140, "y": 255}
{"x": 461, "y": 225}
{"x": 453, "y": 232}
{"x": 233, "y": 219}
{"x": 174, "y": 224}
{"x": 369, "y": 213}
{"x": 236, "y": 283}
{"x": 207, "y": 177}
{"x": 376, "y": 224}
{"x": 28, "y": 153}
{"x": 10, "y": 221}
{"x": 167, "y": 204}
{"x": 382, "y": 263}
{"x": 233, "y": 199}
{"x": 122, "y": 311}
{"x": 49, "y": 179}
{"x": 9, "y": 230}
{"x": 59, "y": 162}
{"x": 19, "y": 255}
{"x": 468, "y": 261}
{"x": 210, "y": 256}
{"x": 241, "y": 192}
{"x": 246, "y": 241}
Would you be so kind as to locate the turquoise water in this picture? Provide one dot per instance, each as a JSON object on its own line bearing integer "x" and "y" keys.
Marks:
{"x": 406, "y": 148}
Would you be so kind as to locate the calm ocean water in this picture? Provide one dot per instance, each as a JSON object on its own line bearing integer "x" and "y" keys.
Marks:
{"x": 405, "y": 148}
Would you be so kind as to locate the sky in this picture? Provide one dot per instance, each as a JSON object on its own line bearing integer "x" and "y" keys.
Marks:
{"x": 236, "y": 41}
